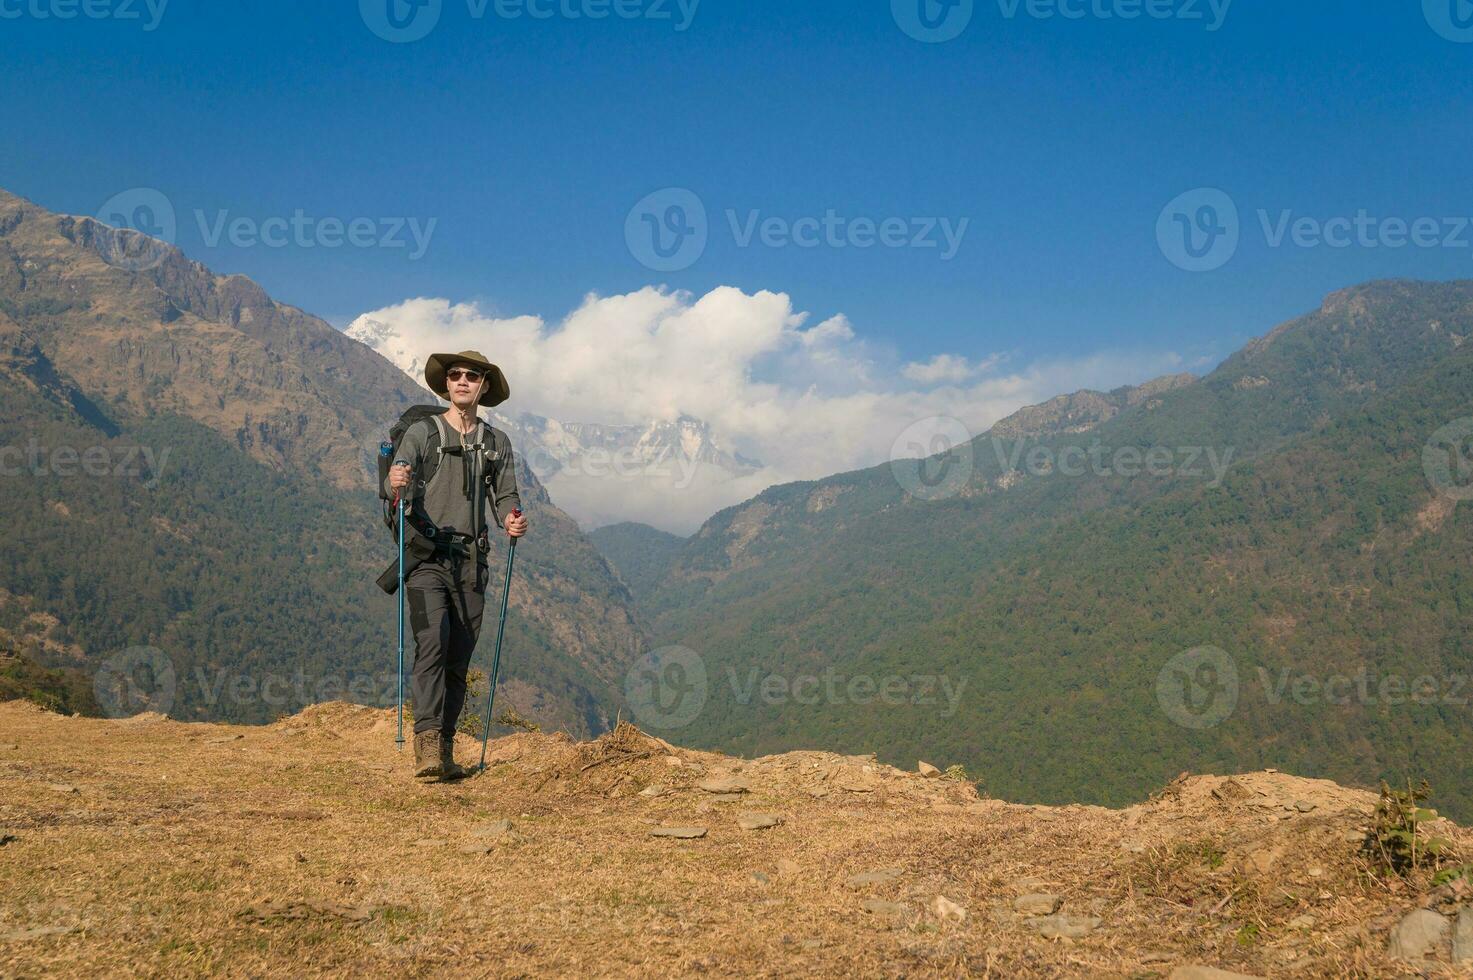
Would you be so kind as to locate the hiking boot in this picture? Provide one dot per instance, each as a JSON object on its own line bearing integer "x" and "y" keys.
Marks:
{"x": 427, "y": 755}
{"x": 448, "y": 768}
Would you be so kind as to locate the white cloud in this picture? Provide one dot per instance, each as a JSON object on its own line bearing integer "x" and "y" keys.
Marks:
{"x": 806, "y": 401}
{"x": 946, "y": 368}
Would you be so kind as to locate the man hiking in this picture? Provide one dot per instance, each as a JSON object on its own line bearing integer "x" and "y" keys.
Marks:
{"x": 446, "y": 589}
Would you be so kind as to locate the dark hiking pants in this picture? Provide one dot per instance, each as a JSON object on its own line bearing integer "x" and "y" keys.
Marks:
{"x": 445, "y": 597}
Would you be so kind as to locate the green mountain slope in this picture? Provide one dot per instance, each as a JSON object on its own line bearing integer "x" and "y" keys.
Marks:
{"x": 1035, "y": 615}
{"x": 639, "y": 553}
{"x": 244, "y": 543}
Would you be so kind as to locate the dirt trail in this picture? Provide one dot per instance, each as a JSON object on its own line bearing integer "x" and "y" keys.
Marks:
{"x": 152, "y": 846}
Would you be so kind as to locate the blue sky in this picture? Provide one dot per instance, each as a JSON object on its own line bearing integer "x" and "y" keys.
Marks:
{"x": 528, "y": 141}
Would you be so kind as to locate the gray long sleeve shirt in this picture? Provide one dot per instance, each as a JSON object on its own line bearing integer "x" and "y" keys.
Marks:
{"x": 449, "y": 495}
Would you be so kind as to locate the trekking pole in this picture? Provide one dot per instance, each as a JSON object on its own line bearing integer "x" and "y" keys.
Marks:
{"x": 399, "y": 738}
{"x": 511, "y": 554}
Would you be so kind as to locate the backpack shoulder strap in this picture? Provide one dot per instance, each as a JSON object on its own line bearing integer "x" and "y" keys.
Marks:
{"x": 434, "y": 439}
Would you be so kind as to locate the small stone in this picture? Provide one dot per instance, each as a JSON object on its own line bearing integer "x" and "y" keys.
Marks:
{"x": 927, "y": 770}
{"x": 1463, "y": 937}
{"x": 1263, "y": 861}
{"x": 477, "y": 848}
{"x": 881, "y": 907}
{"x": 1302, "y": 922}
{"x": 679, "y": 833}
{"x": 1304, "y": 806}
{"x": 1316, "y": 872}
{"x": 496, "y": 828}
{"x": 673, "y": 761}
{"x": 1064, "y": 926}
{"x": 758, "y": 821}
{"x": 724, "y": 785}
{"x": 1196, "y": 972}
{"x": 1037, "y": 903}
{"x": 62, "y": 788}
{"x": 1229, "y": 790}
{"x": 818, "y": 792}
{"x": 865, "y": 878}
{"x": 653, "y": 790}
{"x": 946, "y": 910}
{"x": 1418, "y": 935}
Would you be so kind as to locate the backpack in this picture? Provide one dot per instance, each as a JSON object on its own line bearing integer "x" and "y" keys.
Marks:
{"x": 422, "y": 537}
{"x": 389, "y": 451}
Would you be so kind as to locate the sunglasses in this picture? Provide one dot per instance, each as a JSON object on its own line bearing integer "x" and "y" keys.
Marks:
{"x": 455, "y": 374}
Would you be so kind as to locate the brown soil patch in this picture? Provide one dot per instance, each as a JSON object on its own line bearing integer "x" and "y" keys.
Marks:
{"x": 157, "y": 847}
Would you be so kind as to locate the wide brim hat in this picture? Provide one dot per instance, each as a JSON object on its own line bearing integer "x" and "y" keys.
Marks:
{"x": 497, "y": 390}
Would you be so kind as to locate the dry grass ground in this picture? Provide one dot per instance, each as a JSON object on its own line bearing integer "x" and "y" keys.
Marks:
{"x": 150, "y": 846}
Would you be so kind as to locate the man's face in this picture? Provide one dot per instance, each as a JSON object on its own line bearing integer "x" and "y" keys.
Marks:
{"x": 464, "y": 383}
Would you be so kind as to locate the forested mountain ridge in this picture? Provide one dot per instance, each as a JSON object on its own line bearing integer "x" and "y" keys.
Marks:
{"x": 1289, "y": 523}
{"x": 189, "y": 471}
